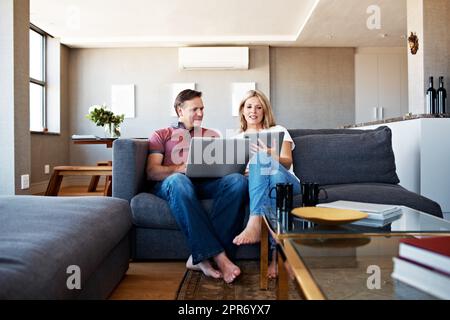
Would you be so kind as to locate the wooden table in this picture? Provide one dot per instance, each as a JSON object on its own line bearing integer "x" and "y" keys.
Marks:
{"x": 95, "y": 172}
{"x": 107, "y": 141}
{"x": 103, "y": 168}
{"x": 94, "y": 181}
{"x": 410, "y": 223}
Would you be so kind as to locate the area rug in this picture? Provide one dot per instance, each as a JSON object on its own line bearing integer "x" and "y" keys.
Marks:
{"x": 196, "y": 286}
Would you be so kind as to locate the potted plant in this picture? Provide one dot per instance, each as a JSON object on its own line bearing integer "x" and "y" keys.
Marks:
{"x": 103, "y": 117}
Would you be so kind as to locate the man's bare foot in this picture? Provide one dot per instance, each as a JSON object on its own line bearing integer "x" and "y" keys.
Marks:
{"x": 229, "y": 270}
{"x": 251, "y": 233}
{"x": 204, "y": 266}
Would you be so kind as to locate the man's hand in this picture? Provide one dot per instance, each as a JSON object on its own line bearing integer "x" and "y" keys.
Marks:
{"x": 181, "y": 168}
{"x": 156, "y": 171}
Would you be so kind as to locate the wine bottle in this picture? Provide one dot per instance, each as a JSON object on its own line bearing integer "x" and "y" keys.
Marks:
{"x": 431, "y": 98}
{"x": 441, "y": 94}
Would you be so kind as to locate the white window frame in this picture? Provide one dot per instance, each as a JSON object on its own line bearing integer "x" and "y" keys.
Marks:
{"x": 43, "y": 82}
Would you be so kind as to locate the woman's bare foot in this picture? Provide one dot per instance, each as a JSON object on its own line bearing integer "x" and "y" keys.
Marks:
{"x": 272, "y": 271}
{"x": 229, "y": 270}
{"x": 289, "y": 270}
{"x": 251, "y": 233}
{"x": 204, "y": 266}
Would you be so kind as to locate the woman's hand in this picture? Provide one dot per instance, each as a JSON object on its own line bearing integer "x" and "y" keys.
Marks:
{"x": 262, "y": 147}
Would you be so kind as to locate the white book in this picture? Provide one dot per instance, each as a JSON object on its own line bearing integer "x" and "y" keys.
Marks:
{"x": 374, "y": 210}
{"x": 425, "y": 257}
{"x": 430, "y": 281}
{"x": 378, "y": 223}
{"x": 84, "y": 137}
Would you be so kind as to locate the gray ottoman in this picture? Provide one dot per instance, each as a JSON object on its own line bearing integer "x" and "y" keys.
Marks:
{"x": 41, "y": 237}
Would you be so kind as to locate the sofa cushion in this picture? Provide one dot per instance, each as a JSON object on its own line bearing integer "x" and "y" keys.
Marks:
{"x": 150, "y": 211}
{"x": 383, "y": 194}
{"x": 346, "y": 158}
{"x": 40, "y": 237}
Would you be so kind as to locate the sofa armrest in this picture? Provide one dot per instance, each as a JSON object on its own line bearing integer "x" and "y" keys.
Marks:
{"x": 129, "y": 162}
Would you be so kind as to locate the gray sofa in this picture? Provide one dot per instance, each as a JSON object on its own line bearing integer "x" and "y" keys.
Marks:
{"x": 40, "y": 237}
{"x": 352, "y": 165}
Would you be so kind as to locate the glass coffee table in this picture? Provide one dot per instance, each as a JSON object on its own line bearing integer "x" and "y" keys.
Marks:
{"x": 330, "y": 262}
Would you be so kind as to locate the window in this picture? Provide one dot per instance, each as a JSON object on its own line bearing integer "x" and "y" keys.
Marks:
{"x": 38, "y": 106}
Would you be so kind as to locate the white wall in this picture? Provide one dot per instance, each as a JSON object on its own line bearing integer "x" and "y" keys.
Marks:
{"x": 429, "y": 19}
{"x": 416, "y": 78}
{"x": 308, "y": 88}
{"x": 15, "y": 155}
{"x": 152, "y": 70}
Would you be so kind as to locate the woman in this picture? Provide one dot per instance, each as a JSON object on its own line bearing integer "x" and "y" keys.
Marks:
{"x": 256, "y": 115}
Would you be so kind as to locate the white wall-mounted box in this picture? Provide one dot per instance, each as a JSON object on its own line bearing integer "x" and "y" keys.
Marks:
{"x": 213, "y": 58}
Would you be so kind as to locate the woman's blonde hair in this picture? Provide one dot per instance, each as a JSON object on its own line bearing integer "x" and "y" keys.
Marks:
{"x": 268, "y": 118}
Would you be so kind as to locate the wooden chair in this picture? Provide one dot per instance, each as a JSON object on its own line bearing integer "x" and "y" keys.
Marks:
{"x": 94, "y": 171}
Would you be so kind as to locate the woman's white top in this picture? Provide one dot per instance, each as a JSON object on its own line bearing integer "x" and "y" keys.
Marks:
{"x": 287, "y": 138}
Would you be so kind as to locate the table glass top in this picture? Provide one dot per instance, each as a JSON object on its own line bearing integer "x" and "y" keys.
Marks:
{"x": 410, "y": 221}
{"x": 355, "y": 268}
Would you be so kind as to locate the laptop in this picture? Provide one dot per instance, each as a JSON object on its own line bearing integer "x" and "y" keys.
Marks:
{"x": 267, "y": 138}
{"x": 217, "y": 157}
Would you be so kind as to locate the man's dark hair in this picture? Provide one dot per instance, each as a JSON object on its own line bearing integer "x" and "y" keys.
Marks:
{"x": 185, "y": 95}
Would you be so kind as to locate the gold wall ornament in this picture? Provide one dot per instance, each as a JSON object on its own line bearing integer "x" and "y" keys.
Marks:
{"x": 413, "y": 43}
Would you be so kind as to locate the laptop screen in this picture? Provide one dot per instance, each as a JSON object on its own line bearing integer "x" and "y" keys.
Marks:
{"x": 218, "y": 151}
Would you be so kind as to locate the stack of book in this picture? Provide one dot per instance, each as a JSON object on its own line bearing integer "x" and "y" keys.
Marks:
{"x": 84, "y": 137}
{"x": 425, "y": 264}
{"x": 379, "y": 215}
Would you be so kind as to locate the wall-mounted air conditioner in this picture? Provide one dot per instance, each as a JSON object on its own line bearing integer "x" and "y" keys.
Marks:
{"x": 213, "y": 58}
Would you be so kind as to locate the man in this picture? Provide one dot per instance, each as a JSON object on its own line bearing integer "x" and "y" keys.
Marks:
{"x": 209, "y": 235}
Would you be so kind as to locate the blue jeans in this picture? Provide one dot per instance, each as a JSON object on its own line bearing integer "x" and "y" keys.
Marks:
{"x": 208, "y": 234}
{"x": 264, "y": 174}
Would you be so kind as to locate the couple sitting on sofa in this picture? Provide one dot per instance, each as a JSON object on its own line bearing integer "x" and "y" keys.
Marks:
{"x": 211, "y": 237}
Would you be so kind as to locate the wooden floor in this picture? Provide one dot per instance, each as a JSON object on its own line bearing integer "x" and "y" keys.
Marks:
{"x": 143, "y": 280}
{"x": 150, "y": 281}
{"x": 77, "y": 191}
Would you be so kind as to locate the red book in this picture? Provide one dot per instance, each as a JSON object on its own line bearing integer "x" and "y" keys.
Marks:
{"x": 432, "y": 252}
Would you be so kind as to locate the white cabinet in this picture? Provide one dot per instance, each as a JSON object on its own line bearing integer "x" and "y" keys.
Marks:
{"x": 381, "y": 81}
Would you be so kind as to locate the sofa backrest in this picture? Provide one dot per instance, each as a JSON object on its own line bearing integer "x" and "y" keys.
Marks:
{"x": 308, "y": 132}
{"x": 129, "y": 164}
{"x": 341, "y": 156}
